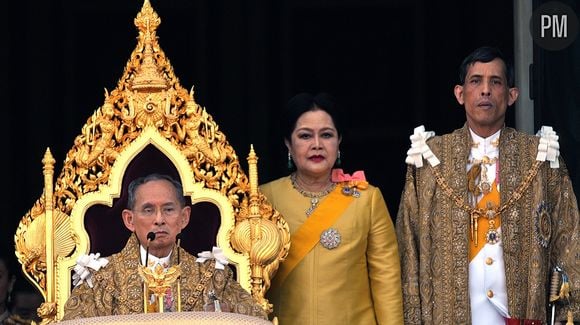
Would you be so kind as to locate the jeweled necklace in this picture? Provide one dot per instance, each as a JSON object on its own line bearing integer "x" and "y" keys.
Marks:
{"x": 314, "y": 196}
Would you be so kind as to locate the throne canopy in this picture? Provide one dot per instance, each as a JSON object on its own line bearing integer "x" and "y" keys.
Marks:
{"x": 148, "y": 123}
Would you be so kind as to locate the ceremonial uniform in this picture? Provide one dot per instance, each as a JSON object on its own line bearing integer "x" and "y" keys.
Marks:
{"x": 117, "y": 288}
{"x": 469, "y": 258}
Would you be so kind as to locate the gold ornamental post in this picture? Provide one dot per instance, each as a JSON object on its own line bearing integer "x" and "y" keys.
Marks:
{"x": 48, "y": 171}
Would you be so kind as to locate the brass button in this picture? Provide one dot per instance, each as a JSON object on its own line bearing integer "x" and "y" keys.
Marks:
{"x": 490, "y": 293}
{"x": 489, "y": 261}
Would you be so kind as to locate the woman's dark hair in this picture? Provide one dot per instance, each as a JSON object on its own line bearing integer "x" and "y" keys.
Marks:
{"x": 486, "y": 54}
{"x": 305, "y": 102}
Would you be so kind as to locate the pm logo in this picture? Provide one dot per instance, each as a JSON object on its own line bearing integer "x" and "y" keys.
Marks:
{"x": 554, "y": 26}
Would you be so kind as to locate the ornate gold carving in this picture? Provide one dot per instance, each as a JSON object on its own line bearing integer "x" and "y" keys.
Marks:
{"x": 148, "y": 107}
{"x": 47, "y": 311}
{"x": 159, "y": 281}
{"x": 266, "y": 241}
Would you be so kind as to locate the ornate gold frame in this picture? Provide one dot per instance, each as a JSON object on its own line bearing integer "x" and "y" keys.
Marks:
{"x": 148, "y": 107}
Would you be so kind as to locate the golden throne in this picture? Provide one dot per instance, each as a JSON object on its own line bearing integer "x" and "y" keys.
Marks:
{"x": 148, "y": 123}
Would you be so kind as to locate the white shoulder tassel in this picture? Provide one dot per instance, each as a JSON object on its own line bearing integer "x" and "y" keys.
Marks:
{"x": 86, "y": 266}
{"x": 420, "y": 149}
{"x": 220, "y": 259}
{"x": 548, "y": 148}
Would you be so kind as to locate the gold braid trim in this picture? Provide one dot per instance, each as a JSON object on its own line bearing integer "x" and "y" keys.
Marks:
{"x": 202, "y": 282}
{"x": 475, "y": 213}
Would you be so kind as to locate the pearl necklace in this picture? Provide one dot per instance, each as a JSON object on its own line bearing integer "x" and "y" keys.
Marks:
{"x": 314, "y": 196}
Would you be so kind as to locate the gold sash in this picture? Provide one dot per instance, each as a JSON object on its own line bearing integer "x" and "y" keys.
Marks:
{"x": 306, "y": 237}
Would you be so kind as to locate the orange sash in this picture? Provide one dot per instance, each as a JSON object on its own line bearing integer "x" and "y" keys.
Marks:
{"x": 307, "y": 236}
{"x": 493, "y": 197}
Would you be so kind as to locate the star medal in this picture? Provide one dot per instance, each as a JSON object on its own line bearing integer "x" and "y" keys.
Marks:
{"x": 492, "y": 235}
{"x": 330, "y": 238}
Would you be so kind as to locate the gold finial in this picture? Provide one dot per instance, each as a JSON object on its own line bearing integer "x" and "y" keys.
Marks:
{"x": 253, "y": 170}
{"x": 48, "y": 161}
{"x": 148, "y": 77}
{"x": 147, "y": 19}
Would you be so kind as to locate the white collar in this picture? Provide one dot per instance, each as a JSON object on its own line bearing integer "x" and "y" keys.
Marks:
{"x": 485, "y": 146}
{"x": 154, "y": 260}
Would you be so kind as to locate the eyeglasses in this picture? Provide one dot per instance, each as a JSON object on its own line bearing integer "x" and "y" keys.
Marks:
{"x": 166, "y": 211}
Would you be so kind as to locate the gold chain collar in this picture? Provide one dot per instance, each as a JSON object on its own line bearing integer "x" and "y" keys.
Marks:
{"x": 206, "y": 276}
{"x": 491, "y": 212}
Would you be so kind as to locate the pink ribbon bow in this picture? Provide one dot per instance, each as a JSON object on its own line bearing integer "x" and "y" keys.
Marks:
{"x": 357, "y": 179}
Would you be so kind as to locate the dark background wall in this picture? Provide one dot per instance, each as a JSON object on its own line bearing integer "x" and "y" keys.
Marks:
{"x": 392, "y": 65}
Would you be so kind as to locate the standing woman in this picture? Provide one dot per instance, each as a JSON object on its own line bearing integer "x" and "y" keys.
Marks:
{"x": 343, "y": 265}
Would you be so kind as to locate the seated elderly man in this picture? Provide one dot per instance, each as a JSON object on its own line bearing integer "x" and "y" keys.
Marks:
{"x": 156, "y": 205}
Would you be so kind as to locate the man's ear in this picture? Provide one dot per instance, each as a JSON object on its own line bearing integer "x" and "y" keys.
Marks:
{"x": 185, "y": 215}
{"x": 127, "y": 216}
{"x": 514, "y": 92}
{"x": 458, "y": 91}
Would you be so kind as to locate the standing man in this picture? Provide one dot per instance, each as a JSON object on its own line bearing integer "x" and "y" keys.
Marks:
{"x": 487, "y": 214}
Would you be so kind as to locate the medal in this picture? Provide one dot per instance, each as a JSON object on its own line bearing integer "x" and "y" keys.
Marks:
{"x": 492, "y": 235}
{"x": 330, "y": 238}
{"x": 346, "y": 190}
{"x": 350, "y": 191}
{"x": 485, "y": 187}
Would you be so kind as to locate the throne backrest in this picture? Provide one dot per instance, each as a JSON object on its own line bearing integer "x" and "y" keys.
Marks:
{"x": 105, "y": 228}
{"x": 148, "y": 123}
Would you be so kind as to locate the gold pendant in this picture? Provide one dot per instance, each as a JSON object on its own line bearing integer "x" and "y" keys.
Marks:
{"x": 490, "y": 212}
{"x": 313, "y": 204}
